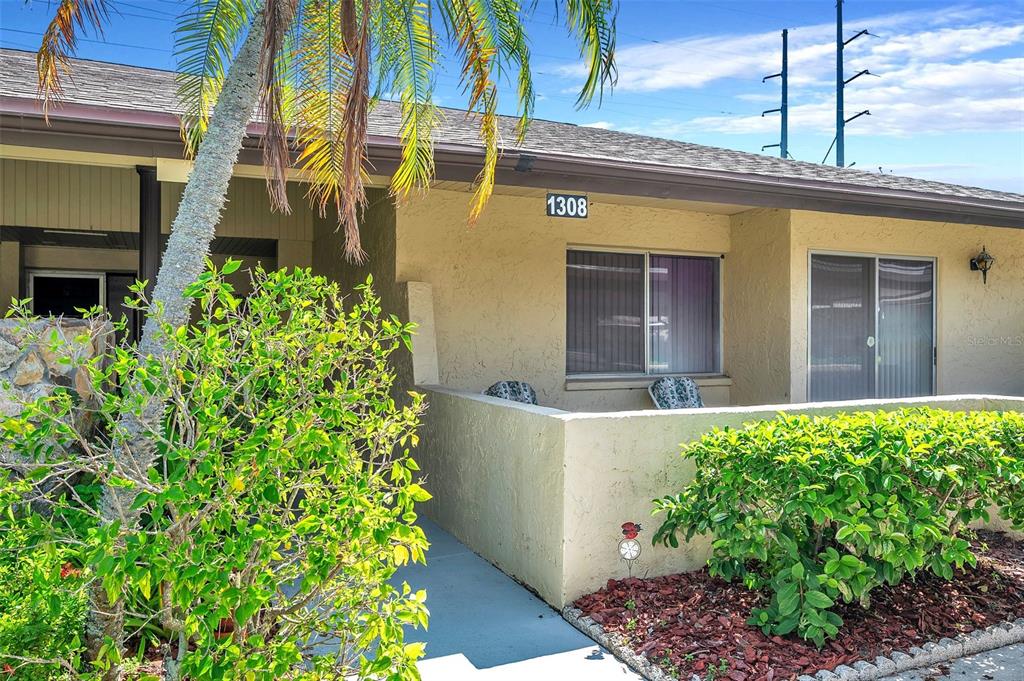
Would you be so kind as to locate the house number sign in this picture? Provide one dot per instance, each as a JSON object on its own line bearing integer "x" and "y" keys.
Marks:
{"x": 567, "y": 205}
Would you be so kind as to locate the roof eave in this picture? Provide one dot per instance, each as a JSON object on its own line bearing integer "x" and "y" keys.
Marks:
{"x": 597, "y": 175}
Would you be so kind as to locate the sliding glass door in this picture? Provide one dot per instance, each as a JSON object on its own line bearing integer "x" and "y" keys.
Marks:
{"x": 872, "y": 327}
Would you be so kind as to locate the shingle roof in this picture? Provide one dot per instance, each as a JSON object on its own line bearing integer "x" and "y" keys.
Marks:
{"x": 133, "y": 88}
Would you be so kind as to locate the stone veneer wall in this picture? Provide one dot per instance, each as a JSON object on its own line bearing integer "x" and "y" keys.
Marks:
{"x": 29, "y": 366}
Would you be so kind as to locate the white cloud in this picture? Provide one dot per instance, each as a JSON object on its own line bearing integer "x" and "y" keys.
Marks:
{"x": 975, "y": 96}
{"x": 603, "y": 125}
{"x": 697, "y": 61}
{"x": 934, "y": 75}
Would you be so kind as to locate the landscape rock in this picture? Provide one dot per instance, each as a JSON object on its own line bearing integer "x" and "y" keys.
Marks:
{"x": 30, "y": 369}
{"x": 8, "y": 353}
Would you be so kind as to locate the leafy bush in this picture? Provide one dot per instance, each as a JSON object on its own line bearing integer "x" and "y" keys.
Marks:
{"x": 42, "y": 609}
{"x": 825, "y": 509}
{"x": 283, "y": 498}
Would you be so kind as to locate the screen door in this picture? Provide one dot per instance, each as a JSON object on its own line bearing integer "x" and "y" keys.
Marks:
{"x": 872, "y": 327}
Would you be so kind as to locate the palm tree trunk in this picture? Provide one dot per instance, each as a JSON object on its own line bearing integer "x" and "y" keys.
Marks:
{"x": 183, "y": 261}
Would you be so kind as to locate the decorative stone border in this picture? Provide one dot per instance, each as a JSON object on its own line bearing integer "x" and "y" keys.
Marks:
{"x": 616, "y": 644}
{"x": 929, "y": 654}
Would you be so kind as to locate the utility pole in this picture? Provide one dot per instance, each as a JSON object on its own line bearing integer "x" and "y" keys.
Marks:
{"x": 841, "y": 83}
{"x": 783, "y": 109}
{"x": 840, "y": 122}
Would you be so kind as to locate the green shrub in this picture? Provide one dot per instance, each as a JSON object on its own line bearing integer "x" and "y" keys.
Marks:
{"x": 824, "y": 509}
{"x": 283, "y": 498}
{"x": 42, "y": 608}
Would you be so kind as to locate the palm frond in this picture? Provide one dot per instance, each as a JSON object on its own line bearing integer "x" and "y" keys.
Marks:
{"x": 490, "y": 40}
{"x": 593, "y": 24}
{"x": 484, "y": 185}
{"x": 326, "y": 73}
{"x": 275, "y": 67}
{"x": 357, "y": 102}
{"x": 59, "y": 41}
{"x": 205, "y": 40}
{"x": 414, "y": 59}
{"x": 515, "y": 49}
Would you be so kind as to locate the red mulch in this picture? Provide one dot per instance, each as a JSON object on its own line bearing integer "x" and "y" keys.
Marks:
{"x": 695, "y": 624}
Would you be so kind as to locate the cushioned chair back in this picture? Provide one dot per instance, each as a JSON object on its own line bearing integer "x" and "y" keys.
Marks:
{"x": 676, "y": 392}
{"x": 517, "y": 391}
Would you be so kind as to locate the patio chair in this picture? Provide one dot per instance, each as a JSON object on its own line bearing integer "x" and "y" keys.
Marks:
{"x": 517, "y": 391}
{"x": 676, "y": 392}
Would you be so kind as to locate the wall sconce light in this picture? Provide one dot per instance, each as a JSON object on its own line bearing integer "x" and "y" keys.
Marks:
{"x": 982, "y": 263}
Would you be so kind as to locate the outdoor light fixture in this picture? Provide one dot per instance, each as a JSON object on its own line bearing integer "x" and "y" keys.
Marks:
{"x": 982, "y": 263}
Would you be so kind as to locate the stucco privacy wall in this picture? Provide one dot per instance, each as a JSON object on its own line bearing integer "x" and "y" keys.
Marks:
{"x": 542, "y": 493}
{"x": 756, "y": 307}
{"x": 499, "y": 287}
{"x": 495, "y": 470}
{"x": 615, "y": 464}
{"x": 980, "y": 328}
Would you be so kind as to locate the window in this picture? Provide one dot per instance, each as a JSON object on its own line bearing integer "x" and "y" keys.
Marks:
{"x": 62, "y": 293}
{"x": 642, "y": 313}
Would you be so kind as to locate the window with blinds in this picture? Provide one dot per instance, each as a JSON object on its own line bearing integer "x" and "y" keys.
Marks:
{"x": 642, "y": 313}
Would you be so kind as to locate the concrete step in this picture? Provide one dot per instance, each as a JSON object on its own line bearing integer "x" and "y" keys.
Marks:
{"x": 448, "y": 668}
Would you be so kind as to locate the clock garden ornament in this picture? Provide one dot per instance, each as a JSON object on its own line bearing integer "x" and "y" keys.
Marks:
{"x": 629, "y": 547}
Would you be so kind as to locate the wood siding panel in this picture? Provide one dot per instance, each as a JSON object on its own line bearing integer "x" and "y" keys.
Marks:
{"x": 83, "y": 197}
{"x": 248, "y": 212}
{"x": 65, "y": 196}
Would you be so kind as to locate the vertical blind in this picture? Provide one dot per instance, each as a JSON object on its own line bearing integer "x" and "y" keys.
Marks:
{"x": 604, "y": 319}
{"x": 871, "y": 339}
{"x": 905, "y": 331}
{"x": 842, "y": 328}
{"x": 683, "y": 322}
{"x": 606, "y": 327}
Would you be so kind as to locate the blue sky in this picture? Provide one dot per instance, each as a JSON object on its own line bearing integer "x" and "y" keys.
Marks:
{"x": 948, "y": 102}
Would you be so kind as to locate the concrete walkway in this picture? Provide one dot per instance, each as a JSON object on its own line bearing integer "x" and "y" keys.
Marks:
{"x": 486, "y": 627}
{"x": 1001, "y": 664}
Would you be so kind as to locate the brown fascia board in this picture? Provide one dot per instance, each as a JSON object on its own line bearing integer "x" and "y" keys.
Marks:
{"x": 146, "y": 133}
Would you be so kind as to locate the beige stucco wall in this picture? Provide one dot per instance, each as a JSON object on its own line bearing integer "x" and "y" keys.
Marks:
{"x": 980, "y": 339}
{"x": 615, "y": 464}
{"x": 499, "y": 287}
{"x": 542, "y": 493}
{"x": 495, "y": 470}
{"x": 756, "y": 308}
{"x": 499, "y": 292}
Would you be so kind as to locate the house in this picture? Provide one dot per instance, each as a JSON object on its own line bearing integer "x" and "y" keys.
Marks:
{"x": 775, "y": 284}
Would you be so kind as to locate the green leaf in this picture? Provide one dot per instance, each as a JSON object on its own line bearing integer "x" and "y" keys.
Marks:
{"x": 418, "y": 493}
{"x": 818, "y": 599}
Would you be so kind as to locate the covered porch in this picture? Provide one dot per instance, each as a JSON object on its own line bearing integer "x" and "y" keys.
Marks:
{"x": 78, "y": 228}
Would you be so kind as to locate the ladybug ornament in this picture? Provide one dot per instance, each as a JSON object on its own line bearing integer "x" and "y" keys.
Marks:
{"x": 629, "y": 547}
